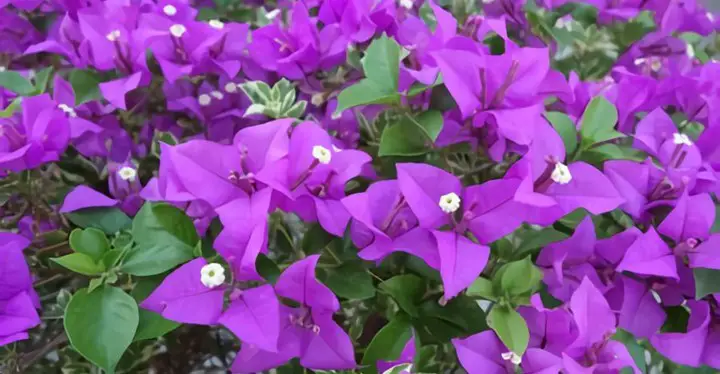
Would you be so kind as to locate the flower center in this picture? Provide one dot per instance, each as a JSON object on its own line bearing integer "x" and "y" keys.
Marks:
{"x": 449, "y": 203}
{"x": 169, "y": 10}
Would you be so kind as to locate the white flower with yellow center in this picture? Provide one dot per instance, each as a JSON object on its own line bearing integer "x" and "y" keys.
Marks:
{"x": 127, "y": 173}
{"x": 322, "y": 154}
{"x": 449, "y": 203}
{"x": 216, "y": 24}
{"x": 204, "y": 100}
{"x": 230, "y": 87}
{"x": 177, "y": 30}
{"x": 212, "y": 275}
{"x": 169, "y": 10}
{"x": 561, "y": 174}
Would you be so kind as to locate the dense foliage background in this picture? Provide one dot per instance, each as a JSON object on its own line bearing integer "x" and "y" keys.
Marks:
{"x": 372, "y": 186}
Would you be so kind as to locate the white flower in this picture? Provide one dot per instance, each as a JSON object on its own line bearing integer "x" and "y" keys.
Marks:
{"x": 561, "y": 174}
{"x": 231, "y": 87}
{"x": 216, "y": 24}
{"x": 204, "y": 100}
{"x": 656, "y": 65}
{"x": 512, "y": 357}
{"x": 407, "y": 4}
{"x": 679, "y": 139}
{"x": 212, "y": 275}
{"x": 169, "y": 10}
{"x": 322, "y": 154}
{"x": 68, "y": 110}
{"x": 690, "y": 51}
{"x": 3, "y": 68}
{"x": 449, "y": 203}
{"x": 272, "y": 14}
{"x": 217, "y": 94}
{"x": 113, "y": 35}
{"x": 177, "y": 30}
{"x": 318, "y": 98}
{"x": 127, "y": 173}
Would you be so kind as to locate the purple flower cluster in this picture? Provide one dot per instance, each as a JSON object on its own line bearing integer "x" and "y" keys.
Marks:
{"x": 166, "y": 104}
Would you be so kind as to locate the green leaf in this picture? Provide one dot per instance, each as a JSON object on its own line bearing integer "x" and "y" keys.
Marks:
{"x": 350, "y": 281}
{"x": 15, "y": 82}
{"x": 411, "y": 136}
{"x": 430, "y": 122}
{"x": 388, "y": 343}
{"x": 95, "y": 283}
{"x": 80, "y": 263}
{"x": 267, "y": 268}
{"x": 315, "y": 239}
{"x": 518, "y": 278}
{"x": 634, "y": 348}
{"x": 365, "y": 92}
{"x": 41, "y": 79}
{"x": 101, "y": 324}
{"x": 510, "y": 327}
{"x": 566, "y": 128}
{"x": 11, "y": 108}
{"x": 85, "y": 84}
{"x": 381, "y": 65}
{"x": 90, "y": 241}
{"x": 531, "y": 239}
{"x": 109, "y": 220}
{"x": 164, "y": 236}
{"x": 598, "y": 155}
{"x": 598, "y": 122}
{"x": 483, "y": 288}
{"x": 462, "y": 311}
{"x": 151, "y": 325}
{"x": 406, "y": 290}
{"x": 399, "y": 369}
{"x": 707, "y": 281}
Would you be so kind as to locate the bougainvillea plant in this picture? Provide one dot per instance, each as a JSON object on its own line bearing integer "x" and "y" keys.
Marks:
{"x": 359, "y": 186}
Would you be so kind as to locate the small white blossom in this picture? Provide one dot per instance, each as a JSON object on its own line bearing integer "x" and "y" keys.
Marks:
{"x": 216, "y": 24}
{"x": 113, "y": 35}
{"x": 656, "y": 65}
{"x": 407, "y": 4}
{"x": 690, "y": 51}
{"x": 231, "y": 87}
{"x": 679, "y": 139}
{"x": 204, "y": 100}
{"x": 177, "y": 30}
{"x": 561, "y": 174}
{"x": 217, "y": 94}
{"x": 3, "y": 68}
{"x": 512, "y": 357}
{"x": 127, "y": 173}
{"x": 318, "y": 99}
{"x": 68, "y": 110}
{"x": 272, "y": 14}
{"x": 449, "y": 203}
{"x": 212, "y": 275}
{"x": 170, "y": 10}
{"x": 322, "y": 154}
